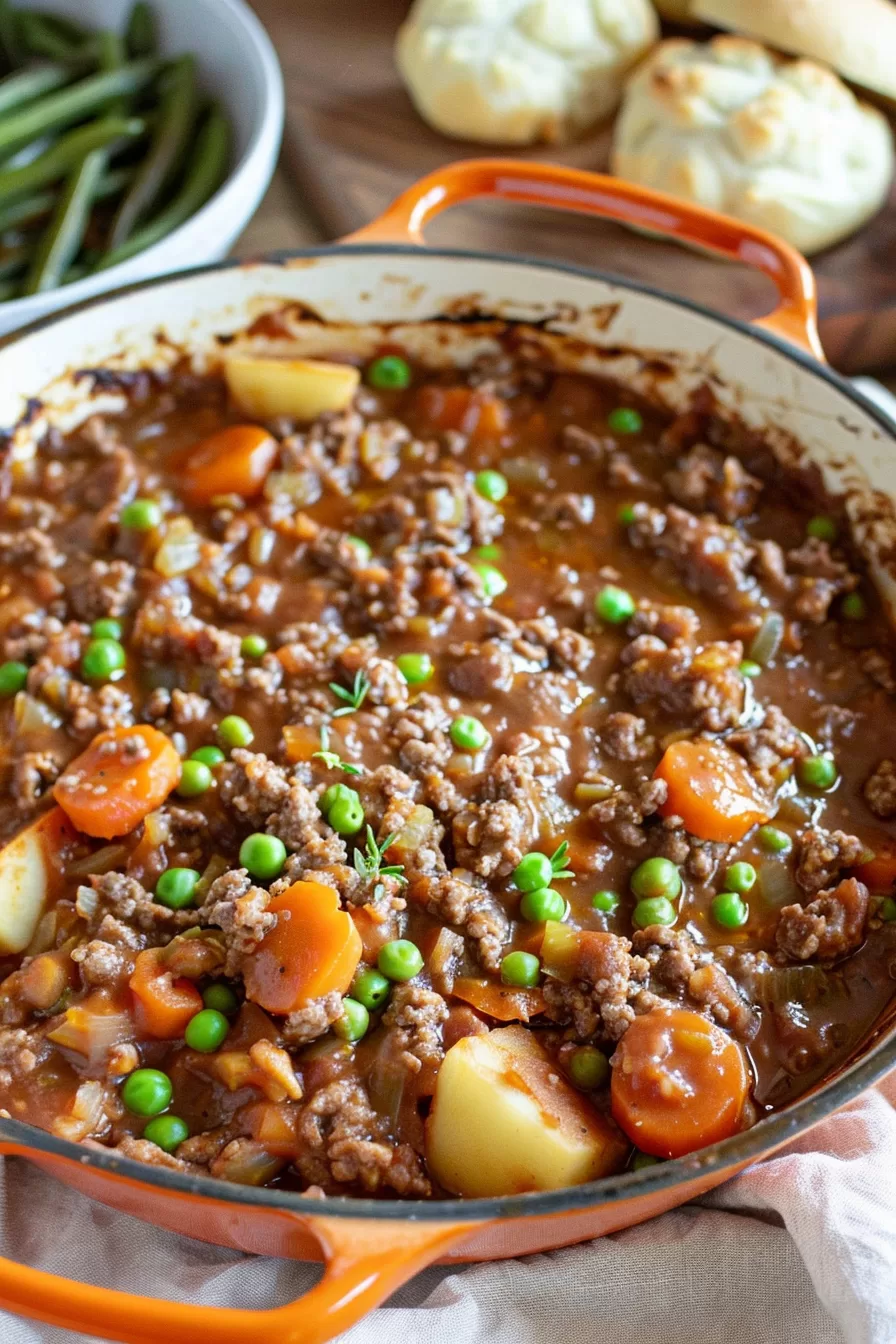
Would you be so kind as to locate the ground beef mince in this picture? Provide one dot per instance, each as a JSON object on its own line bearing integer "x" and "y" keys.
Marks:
{"x": 488, "y": 708}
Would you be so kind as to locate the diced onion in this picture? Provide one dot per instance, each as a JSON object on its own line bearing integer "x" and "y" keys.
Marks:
{"x": 33, "y": 716}
{"x": 776, "y": 885}
{"x": 301, "y": 487}
{"x": 767, "y": 640}
{"x": 179, "y": 551}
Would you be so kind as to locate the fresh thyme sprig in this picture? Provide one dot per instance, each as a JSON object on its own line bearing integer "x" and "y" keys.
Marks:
{"x": 369, "y": 862}
{"x": 354, "y": 698}
{"x": 558, "y": 859}
{"x": 331, "y": 759}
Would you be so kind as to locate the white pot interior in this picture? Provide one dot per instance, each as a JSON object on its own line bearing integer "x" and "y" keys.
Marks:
{"x": 341, "y": 300}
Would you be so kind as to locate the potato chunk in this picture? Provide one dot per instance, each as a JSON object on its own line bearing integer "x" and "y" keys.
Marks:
{"x": 24, "y": 879}
{"x": 503, "y": 1121}
{"x": 303, "y": 388}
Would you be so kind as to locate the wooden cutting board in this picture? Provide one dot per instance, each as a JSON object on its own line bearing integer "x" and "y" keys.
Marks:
{"x": 353, "y": 141}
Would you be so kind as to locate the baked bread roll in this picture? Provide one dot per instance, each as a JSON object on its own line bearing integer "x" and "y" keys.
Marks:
{"x": 517, "y": 71}
{"x": 781, "y": 144}
{"x": 856, "y": 37}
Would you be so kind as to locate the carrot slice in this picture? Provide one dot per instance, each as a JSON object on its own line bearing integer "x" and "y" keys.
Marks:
{"x": 711, "y": 789}
{"x": 235, "y": 461}
{"x": 476, "y": 414}
{"x": 118, "y": 780}
{"x": 679, "y": 1083}
{"x": 879, "y": 873}
{"x": 313, "y": 950}
{"x": 499, "y": 1001}
{"x": 162, "y": 1005}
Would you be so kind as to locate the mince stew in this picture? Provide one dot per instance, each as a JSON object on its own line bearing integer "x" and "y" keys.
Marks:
{"x": 462, "y": 784}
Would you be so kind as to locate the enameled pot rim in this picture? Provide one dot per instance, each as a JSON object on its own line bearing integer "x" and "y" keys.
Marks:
{"x": 750, "y": 1145}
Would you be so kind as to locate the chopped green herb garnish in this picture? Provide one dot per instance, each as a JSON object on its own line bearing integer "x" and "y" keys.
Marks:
{"x": 331, "y": 759}
{"x": 354, "y": 698}
{"x": 558, "y": 859}
{"x": 369, "y": 862}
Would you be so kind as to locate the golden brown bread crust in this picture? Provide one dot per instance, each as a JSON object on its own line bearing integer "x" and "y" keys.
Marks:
{"x": 856, "y": 37}
{"x": 781, "y": 144}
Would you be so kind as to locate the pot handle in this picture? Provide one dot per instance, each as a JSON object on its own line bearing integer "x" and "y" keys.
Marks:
{"x": 366, "y": 1261}
{"x": 795, "y": 318}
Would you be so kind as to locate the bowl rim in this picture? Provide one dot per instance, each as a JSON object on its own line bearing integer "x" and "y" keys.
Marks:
{"x": 263, "y": 143}
{"x": 732, "y": 1154}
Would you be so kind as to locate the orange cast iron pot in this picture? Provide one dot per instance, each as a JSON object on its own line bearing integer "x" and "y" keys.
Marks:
{"x": 371, "y": 1247}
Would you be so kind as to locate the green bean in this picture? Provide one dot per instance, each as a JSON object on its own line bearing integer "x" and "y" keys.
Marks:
{"x": 29, "y": 208}
{"x": 55, "y": 162}
{"x": 33, "y": 82}
{"x": 64, "y": 234}
{"x": 169, "y": 141}
{"x": 9, "y": 289}
{"x": 66, "y": 27}
{"x": 40, "y": 38}
{"x": 60, "y": 109}
{"x": 140, "y": 34}
{"x": 204, "y": 173}
{"x": 9, "y": 36}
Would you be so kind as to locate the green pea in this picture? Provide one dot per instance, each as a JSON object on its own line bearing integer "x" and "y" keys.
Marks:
{"x": 626, "y": 515}
{"x": 195, "y": 778}
{"x": 362, "y": 548}
{"x": 625, "y": 420}
{"x": 750, "y": 669}
{"x": 167, "y": 1132}
{"x": 542, "y": 904}
{"x": 263, "y": 856}
{"x": 206, "y": 1031}
{"x": 468, "y": 734}
{"x": 614, "y": 605}
{"x": 887, "y": 909}
{"x": 730, "y": 910}
{"x": 106, "y": 628}
{"x": 532, "y": 872}
{"x": 220, "y": 997}
{"x": 493, "y": 581}
{"x": 641, "y": 1161}
{"x": 146, "y": 1092}
{"x": 234, "y": 731}
{"x": 605, "y": 901}
{"x": 822, "y": 527}
{"x": 491, "y": 485}
{"x": 346, "y": 813}
{"x": 400, "y": 960}
{"x": 488, "y": 552}
{"x": 141, "y": 515}
{"x": 817, "y": 772}
{"x": 588, "y": 1068}
{"x": 176, "y": 888}
{"x": 654, "y": 910}
{"x": 102, "y": 659}
{"x": 656, "y": 877}
{"x": 854, "y": 607}
{"x": 353, "y": 1023}
{"x": 521, "y": 969}
{"x": 210, "y": 756}
{"x": 12, "y": 678}
{"x": 389, "y": 373}
{"x": 253, "y": 646}
{"x": 414, "y": 667}
{"x": 775, "y": 841}
{"x": 740, "y": 877}
{"x": 371, "y": 988}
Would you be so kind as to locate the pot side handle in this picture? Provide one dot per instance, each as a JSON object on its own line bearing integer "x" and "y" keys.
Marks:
{"x": 795, "y": 318}
{"x": 366, "y": 1261}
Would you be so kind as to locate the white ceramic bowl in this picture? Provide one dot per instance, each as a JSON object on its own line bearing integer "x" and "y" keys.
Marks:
{"x": 238, "y": 65}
